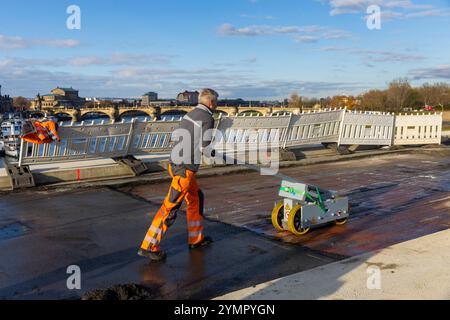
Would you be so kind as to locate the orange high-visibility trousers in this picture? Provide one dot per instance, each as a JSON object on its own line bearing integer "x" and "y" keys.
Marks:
{"x": 181, "y": 188}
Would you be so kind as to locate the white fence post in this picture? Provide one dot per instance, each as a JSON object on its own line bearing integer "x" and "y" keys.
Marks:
{"x": 341, "y": 126}
{"x": 288, "y": 131}
{"x": 21, "y": 151}
{"x": 130, "y": 138}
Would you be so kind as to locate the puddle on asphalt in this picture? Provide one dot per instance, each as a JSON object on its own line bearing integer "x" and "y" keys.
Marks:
{"x": 12, "y": 230}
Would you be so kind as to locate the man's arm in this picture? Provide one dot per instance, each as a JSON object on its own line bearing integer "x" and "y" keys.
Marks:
{"x": 207, "y": 127}
{"x": 208, "y": 149}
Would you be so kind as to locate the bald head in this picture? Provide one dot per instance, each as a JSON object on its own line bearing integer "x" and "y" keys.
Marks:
{"x": 208, "y": 97}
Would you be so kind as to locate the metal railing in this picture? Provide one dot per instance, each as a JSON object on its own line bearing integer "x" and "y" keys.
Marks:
{"x": 109, "y": 139}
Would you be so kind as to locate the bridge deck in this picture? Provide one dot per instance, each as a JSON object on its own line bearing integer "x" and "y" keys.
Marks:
{"x": 395, "y": 198}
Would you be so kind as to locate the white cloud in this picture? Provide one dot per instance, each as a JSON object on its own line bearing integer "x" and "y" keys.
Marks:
{"x": 371, "y": 56}
{"x": 391, "y": 9}
{"x": 302, "y": 34}
{"x": 336, "y": 34}
{"x": 120, "y": 59}
{"x": 445, "y": 12}
{"x": 115, "y": 59}
{"x": 306, "y": 39}
{"x": 69, "y": 43}
{"x": 387, "y": 56}
{"x": 15, "y": 42}
{"x": 438, "y": 72}
{"x": 9, "y": 43}
{"x": 256, "y": 30}
{"x": 28, "y": 80}
{"x": 405, "y": 4}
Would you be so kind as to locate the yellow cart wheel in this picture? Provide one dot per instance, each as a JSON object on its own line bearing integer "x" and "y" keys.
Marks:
{"x": 278, "y": 215}
{"x": 341, "y": 222}
{"x": 295, "y": 221}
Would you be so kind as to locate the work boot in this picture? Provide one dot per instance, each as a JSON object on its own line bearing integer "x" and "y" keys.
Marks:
{"x": 154, "y": 256}
{"x": 205, "y": 242}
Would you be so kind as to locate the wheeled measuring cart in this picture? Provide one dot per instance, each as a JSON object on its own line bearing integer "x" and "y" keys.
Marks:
{"x": 305, "y": 206}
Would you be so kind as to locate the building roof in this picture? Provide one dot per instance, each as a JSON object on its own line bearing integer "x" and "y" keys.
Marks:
{"x": 66, "y": 89}
{"x": 189, "y": 92}
{"x": 149, "y": 93}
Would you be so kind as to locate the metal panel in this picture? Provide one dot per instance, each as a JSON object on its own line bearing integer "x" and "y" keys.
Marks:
{"x": 79, "y": 142}
{"x": 418, "y": 129}
{"x": 152, "y": 137}
{"x": 313, "y": 128}
{"x": 248, "y": 132}
{"x": 367, "y": 128}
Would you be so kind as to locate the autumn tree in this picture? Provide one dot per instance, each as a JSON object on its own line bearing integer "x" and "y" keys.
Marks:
{"x": 21, "y": 103}
{"x": 348, "y": 102}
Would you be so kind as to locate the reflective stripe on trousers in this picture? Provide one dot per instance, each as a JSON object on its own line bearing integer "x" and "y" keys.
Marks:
{"x": 181, "y": 189}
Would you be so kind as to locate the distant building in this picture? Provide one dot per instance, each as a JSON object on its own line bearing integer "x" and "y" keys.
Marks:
{"x": 162, "y": 103}
{"x": 188, "y": 98}
{"x": 148, "y": 98}
{"x": 232, "y": 103}
{"x": 6, "y": 103}
{"x": 59, "y": 97}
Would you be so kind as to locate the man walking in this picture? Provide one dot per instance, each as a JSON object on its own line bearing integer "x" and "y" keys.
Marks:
{"x": 184, "y": 185}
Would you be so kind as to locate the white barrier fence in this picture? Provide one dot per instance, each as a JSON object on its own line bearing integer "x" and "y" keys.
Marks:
{"x": 248, "y": 133}
{"x": 313, "y": 128}
{"x": 154, "y": 136}
{"x": 80, "y": 142}
{"x": 418, "y": 129}
{"x": 364, "y": 128}
{"x": 90, "y": 141}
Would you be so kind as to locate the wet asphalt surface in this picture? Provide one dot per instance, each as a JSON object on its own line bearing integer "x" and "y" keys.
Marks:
{"x": 100, "y": 230}
{"x": 394, "y": 198}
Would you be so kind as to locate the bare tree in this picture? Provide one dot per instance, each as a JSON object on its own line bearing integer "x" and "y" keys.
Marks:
{"x": 295, "y": 101}
{"x": 374, "y": 100}
{"x": 310, "y": 103}
{"x": 435, "y": 94}
{"x": 397, "y": 94}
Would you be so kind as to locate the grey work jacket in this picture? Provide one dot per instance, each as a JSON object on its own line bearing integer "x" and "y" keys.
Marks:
{"x": 197, "y": 123}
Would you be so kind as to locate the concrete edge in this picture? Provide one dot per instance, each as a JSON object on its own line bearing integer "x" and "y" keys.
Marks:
{"x": 348, "y": 278}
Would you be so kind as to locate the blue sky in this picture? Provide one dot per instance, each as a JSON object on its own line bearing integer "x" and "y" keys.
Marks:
{"x": 259, "y": 49}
